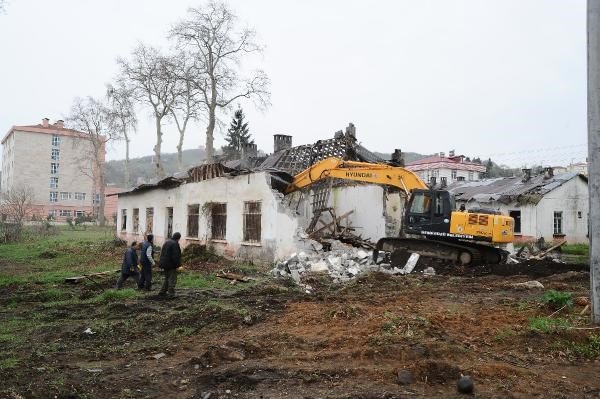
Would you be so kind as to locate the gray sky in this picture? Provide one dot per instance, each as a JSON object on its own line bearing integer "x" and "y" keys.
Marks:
{"x": 505, "y": 79}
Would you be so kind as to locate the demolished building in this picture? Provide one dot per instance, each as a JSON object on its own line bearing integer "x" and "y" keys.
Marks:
{"x": 547, "y": 205}
{"x": 238, "y": 207}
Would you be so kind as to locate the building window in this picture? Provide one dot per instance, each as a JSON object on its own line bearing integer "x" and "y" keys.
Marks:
{"x": 444, "y": 181}
{"x": 65, "y": 196}
{"x": 80, "y": 196}
{"x": 52, "y": 214}
{"x": 79, "y": 214}
{"x": 55, "y": 154}
{"x": 558, "y": 227}
{"x": 54, "y": 168}
{"x": 252, "y": 219}
{"x": 453, "y": 175}
{"x": 432, "y": 181}
{"x": 55, "y": 140}
{"x": 53, "y": 196}
{"x": 579, "y": 215}
{"x": 435, "y": 172}
{"x": 136, "y": 220}
{"x": 193, "y": 219}
{"x": 123, "y": 219}
{"x": 460, "y": 178}
{"x": 470, "y": 176}
{"x": 516, "y": 215}
{"x": 169, "y": 222}
{"x": 149, "y": 220}
{"x": 54, "y": 182}
{"x": 65, "y": 213}
{"x": 218, "y": 222}
{"x": 96, "y": 198}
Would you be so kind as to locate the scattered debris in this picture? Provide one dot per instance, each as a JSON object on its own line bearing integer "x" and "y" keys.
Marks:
{"x": 534, "y": 284}
{"x": 428, "y": 272}
{"x": 94, "y": 370}
{"x": 581, "y": 301}
{"x": 89, "y": 331}
{"x": 159, "y": 355}
{"x": 536, "y": 251}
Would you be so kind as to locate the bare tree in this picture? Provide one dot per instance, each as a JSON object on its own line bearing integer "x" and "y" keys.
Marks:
{"x": 15, "y": 206}
{"x": 211, "y": 38}
{"x": 188, "y": 103}
{"x": 151, "y": 75}
{"x": 120, "y": 100}
{"x": 93, "y": 119}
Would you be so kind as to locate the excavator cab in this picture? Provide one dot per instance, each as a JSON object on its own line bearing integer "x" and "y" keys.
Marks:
{"x": 429, "y": 212}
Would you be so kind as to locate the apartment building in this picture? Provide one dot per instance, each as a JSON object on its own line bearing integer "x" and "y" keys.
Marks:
{"x": 443, "y": 170}
{"x": 50, "y": 160}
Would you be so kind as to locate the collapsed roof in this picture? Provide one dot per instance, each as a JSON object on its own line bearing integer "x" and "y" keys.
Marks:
{"x": 510, "y": 189}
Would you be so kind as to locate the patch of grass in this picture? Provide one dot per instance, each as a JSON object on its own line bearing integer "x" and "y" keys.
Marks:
{"x": 558, "y": 299}
{"x": 576, "y": 249}
{"x": 8, "y": 363}
{"x": 187, "y": 279}
{"x": 115, "y": 295}
{"x": 547, "y": 324}
{"x": 504, "y": 334}
{"x": 589, "y": 349}
{"x": 53, "y": 295}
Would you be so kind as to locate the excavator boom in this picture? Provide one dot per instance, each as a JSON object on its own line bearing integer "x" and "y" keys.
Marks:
{"x": 401, "y": 178}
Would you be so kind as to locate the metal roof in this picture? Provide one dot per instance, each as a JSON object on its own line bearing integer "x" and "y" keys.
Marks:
{"x": 509, "y": 189}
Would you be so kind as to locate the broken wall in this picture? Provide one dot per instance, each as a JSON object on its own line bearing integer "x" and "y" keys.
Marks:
{"x": 278, "y": 225}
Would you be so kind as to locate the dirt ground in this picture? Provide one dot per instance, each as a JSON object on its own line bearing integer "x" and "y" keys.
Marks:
{"x": 270, "y": 339}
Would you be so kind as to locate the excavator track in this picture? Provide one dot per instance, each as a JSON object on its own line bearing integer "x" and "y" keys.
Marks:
{"x": 465, "y": 253}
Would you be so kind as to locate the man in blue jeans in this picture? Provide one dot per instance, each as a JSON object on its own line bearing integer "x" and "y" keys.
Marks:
{"x": 129, "y": 267}
{"x": 147, "y": 262}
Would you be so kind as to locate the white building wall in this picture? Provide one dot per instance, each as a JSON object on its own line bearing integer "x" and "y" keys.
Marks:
{"x": 278, "y": 224}
{"x": 438, "y": 173}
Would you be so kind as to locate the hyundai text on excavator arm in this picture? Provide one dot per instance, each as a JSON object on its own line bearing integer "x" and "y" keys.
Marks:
{"x": 431, "y": 226}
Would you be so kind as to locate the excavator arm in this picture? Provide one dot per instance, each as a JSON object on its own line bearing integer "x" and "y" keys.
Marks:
{"x": 401, "y": 178}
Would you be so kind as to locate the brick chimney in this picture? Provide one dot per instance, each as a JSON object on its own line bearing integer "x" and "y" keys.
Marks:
{"x": 451, "y": 153}
{"x": 281, "y": 142}
{"x": 526, "y": 174}
{"x": 442, "y": 155}
{"x": 60, "y": 124}
{"x": 45, "y": 122}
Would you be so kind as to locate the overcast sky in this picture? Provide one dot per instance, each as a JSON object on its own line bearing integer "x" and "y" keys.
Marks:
{"x": 505, "y": 79}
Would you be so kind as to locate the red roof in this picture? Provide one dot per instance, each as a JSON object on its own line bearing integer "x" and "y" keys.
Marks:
{"x": 39, "y": 128}
{"x": 437, "y": 162}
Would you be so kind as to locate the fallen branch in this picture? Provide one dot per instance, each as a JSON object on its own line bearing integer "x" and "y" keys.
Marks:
{"x": 77, "y": 279}
{"x": 235, "y": 277}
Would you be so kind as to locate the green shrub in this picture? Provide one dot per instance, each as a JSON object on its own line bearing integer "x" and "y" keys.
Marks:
{"x": 590, "y": 349}
{"x": 575, "y": 249}
{"x": 547, "y": 324}
{"x": 558, "y": 299}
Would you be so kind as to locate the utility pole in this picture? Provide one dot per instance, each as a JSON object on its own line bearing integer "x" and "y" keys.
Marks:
{"x": 593, "y": 59}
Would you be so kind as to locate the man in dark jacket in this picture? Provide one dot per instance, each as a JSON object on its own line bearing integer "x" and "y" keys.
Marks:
{"x": 170, "y": 260}
{"x": 129, "y": 266}
{"x": 147, "y": 262}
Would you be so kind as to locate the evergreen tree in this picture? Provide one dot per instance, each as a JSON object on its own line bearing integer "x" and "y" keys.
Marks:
{"x": 238, "y": 134}
{"x": 488, "y": 167}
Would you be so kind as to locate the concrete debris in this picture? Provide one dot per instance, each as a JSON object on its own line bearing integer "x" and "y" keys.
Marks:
{"x": 537, "y": 251}
{"x": 428, "y": 272}
{"x": 159, "y": 355}
{"x": 89, "y": 331}
{"x": 534, "y": 284}
{"x": 343, "y": 262}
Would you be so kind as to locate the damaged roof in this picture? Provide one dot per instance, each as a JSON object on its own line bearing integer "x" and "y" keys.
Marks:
{"x": 296, "y": 159}
{"x": 510, "y": 189}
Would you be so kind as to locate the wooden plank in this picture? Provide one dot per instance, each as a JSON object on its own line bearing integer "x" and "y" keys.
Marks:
{"x": 235, "y": 277}
{"x": 328, "y": 225}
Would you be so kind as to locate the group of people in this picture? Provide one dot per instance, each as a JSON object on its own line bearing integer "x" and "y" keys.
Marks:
{"x": 169, "y": 261}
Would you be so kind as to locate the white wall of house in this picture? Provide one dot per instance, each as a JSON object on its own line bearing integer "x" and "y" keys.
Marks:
{"x": 278, "y": 224}
{"x": 376, "y": 212}
{"x": 537, "y": 220}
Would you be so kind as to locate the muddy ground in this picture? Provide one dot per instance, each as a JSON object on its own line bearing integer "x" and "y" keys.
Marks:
{"x": 270, "y": 339}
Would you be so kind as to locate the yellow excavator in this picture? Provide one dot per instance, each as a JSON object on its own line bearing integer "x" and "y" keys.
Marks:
{"x": 431, "y": 225}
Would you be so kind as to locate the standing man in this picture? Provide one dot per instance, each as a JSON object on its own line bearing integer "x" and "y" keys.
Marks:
{"x": 147, "y": 262}
{"x": 129, "y": 268}
{"x": 170, "y": 260}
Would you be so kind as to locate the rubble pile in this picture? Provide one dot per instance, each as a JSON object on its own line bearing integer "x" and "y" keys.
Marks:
{"x": 343, "y": 262}
{"x": 537, "y": 251}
